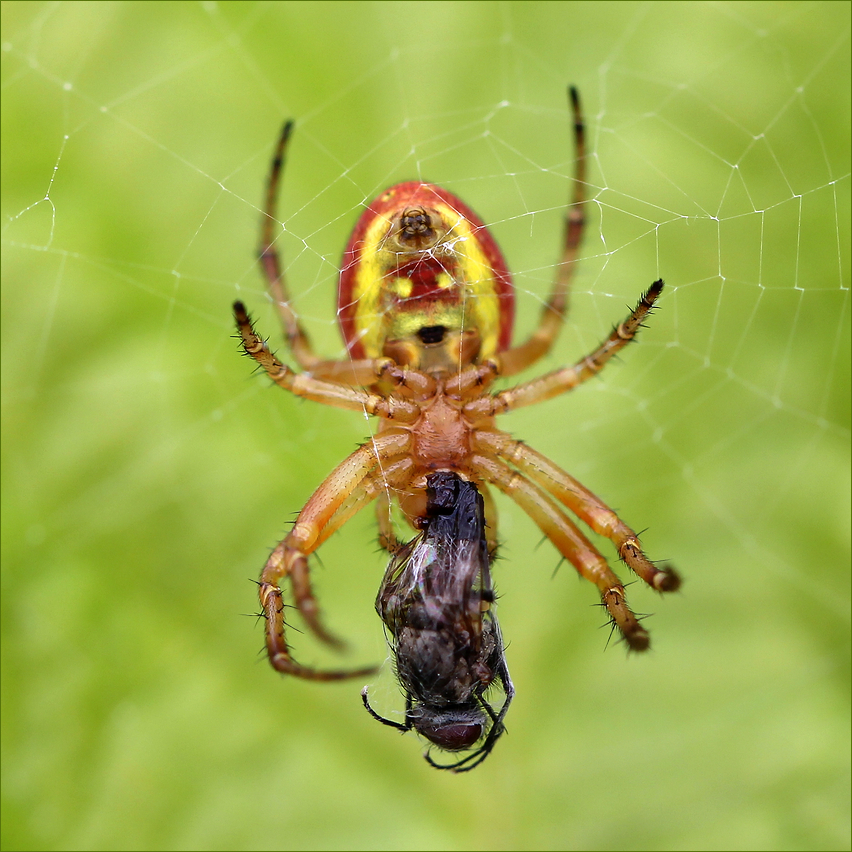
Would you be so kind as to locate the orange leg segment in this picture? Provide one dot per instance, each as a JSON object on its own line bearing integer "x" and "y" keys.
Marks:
{"x": 355, "y": 482}
{"x": 582, "y": 502}
{"x": 566, "y": 379}
{"x": 569, "y": 541}
{"x": 318, "y": 390}
{"x": 520, "y": 357}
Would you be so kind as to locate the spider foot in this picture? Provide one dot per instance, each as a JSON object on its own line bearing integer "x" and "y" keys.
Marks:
{"x": 283, "y": 662}
{"x": 635, "y": 635}
{"x": 668, "y": 580}
{"x": 664, "y": 579}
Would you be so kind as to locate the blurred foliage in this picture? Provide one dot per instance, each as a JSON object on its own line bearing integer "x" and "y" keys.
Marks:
{"x": 145, "y": 472}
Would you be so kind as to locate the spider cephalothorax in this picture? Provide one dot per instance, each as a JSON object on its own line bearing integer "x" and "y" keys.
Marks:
{"x": 425, "y": 304}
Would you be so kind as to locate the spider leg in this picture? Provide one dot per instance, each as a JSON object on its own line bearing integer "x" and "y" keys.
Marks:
{"x": 388, "y": 475}
{"x": 361, "y": 372}
{"x": 297, "y": 338}
{"x": 355, "y": 373}
{"x": 520, "y": 357}
{"x": 318, "y": 390}
{"x": 282, "y": 661}
{"x": 384, "y": 519}
{"x": 567, "y": 378}
{"x": 569, "y": 541}
{"x": 582, "y": 502}
{"x": 366, "y": 372}
{"x": 354, "y": 482}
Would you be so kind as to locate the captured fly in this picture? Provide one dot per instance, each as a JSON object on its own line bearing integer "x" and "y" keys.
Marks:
{"x": 437, "y": 603}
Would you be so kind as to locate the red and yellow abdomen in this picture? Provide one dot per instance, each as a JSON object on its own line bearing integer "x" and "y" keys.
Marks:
{"x": 419, "y": 258}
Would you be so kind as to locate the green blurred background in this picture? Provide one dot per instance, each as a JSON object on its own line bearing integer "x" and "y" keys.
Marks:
{"x": 146, "y": 472}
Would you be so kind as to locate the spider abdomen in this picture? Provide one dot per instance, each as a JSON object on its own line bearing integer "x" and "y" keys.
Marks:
{"x": 419, "y": 257}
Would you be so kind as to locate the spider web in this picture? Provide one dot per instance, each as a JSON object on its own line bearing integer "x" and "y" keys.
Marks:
{"x": 141, "y": 456}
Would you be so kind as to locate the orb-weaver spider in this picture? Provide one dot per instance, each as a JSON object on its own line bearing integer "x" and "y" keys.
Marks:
{"x": 426, "y": 305}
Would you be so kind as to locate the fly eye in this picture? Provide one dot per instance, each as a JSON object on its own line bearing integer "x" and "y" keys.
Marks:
{"x": 452, "y": 736}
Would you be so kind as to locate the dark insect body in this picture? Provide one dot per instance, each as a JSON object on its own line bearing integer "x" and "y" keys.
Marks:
{"x": 437, "y": 603}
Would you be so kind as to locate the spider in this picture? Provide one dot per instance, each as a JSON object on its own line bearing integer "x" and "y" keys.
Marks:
{"x": 426, "y": 306}
{"x": 437, "y": 603}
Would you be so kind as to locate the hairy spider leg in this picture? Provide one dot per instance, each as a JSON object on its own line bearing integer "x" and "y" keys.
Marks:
{"x": 319, "y": 390}
{"x": 353, "y": 484}
{"x": 567, "y": 378}
{"x": 582, "y": 502}
{"x": 520, "y": 357}
{"x": 297, "y": 338}
{"x": 355, "y": 372}
{"x": 384, "y": 519}
{"x": 569, "y": 541}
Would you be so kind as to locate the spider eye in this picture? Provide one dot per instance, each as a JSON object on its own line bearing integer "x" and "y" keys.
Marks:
{"x": 415, "y": 221}
{"x": 432, "y": 334}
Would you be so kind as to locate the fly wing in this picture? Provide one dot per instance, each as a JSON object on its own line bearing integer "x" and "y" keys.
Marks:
{"x": 436, "y": 601}
{"x": 443, "y": 572}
